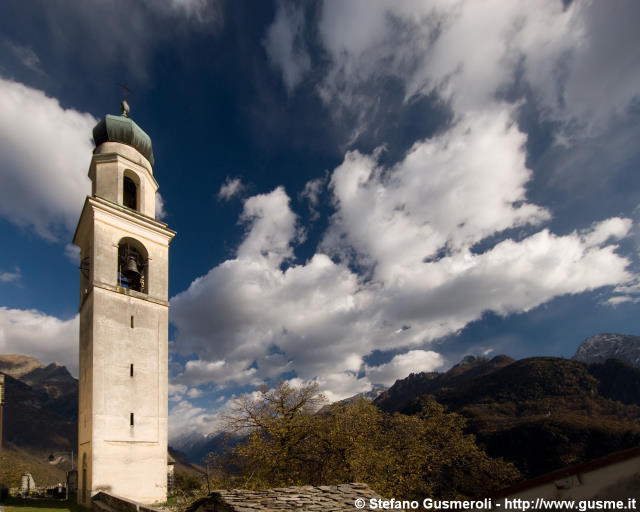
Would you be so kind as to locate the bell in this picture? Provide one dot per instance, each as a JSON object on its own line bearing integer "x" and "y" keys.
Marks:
{"x": 132, "y": 273}
{"x": 132, "y": 267}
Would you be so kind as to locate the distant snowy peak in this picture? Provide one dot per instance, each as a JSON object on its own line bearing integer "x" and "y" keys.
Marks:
{"x": 471, "y": 360}
{"x": 372, "y": 394}
{"x": 599, "y": 348}
{"x": 187, "y": 441}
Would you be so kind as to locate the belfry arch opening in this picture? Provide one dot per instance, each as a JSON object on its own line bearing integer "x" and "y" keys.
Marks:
{"x": 131, "y": 190}
{"x": 133, "y": 265}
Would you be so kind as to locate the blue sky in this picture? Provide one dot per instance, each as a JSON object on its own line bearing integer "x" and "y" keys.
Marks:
{"x": 361, "y": 189}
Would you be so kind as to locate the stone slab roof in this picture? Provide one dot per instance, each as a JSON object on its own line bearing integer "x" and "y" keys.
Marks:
{"x": 325, "y": 498}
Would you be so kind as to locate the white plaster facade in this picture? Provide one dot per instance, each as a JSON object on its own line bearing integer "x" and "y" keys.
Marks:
{"x": 616, "y": 476}
{"x": 122, "y": 420}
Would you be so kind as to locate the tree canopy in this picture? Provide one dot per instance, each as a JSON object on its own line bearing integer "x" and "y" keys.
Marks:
{"x": 290, "y": 442}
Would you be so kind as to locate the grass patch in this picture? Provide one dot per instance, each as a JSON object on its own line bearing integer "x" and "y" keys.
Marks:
{"x": 40, "y": 505}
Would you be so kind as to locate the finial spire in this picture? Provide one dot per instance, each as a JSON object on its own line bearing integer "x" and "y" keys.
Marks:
{"x": 124, "y": 106}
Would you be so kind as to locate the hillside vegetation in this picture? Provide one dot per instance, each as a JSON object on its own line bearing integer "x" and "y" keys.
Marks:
{"x": 408, "y": 457}
{"x": 540, "y": 413}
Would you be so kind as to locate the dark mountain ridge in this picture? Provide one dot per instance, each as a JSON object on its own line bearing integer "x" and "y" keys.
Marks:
{"x": 40, "y": 408}
{"x": 197, "y": 446}
{"x": 541, "y": 413}
{"x": 54, "y": 379}
{"x": 34, "y": 421}
{"x": 403, "y": 391}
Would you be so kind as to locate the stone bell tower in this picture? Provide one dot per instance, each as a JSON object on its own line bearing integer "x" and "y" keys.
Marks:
{"x": 124, "y": 312}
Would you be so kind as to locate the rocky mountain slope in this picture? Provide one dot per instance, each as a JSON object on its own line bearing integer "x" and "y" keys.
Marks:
{"x": 196, "y": 446}
{"x": 182, "y": 464}
{"x": 599, "y": 348}
{"x": 541, "y": 413}
{"x": 403, "y": 391}
{"x": 54, "y": 379}
{"x": 40, "y": 419}
{"x": 17, "y": 365}
{"x": 41, "y": 404}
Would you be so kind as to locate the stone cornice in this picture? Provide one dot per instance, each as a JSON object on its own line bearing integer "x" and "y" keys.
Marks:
{"x": 130, "y": 215}
{"x": 122, "y": 291}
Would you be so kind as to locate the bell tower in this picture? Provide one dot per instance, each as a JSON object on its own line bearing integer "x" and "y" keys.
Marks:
{"x": 124, "y": 314}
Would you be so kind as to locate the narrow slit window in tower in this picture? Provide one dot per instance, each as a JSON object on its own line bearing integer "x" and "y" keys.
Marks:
{"x": 84, "y": 477}
{"x": 131, "y": 370}
{"x": 129, "y": 193}
{"x": 132, "y": 321}
{"x": 131, "y": 419}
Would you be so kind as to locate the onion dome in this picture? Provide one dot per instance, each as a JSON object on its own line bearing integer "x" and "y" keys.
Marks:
{"x": 124, "y": 130}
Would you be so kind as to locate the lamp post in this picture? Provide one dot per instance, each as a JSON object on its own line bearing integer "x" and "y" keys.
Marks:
{"x": 1, "y": 406}
{"x": 1, "y": 419}
{"x": 52, "y": 460}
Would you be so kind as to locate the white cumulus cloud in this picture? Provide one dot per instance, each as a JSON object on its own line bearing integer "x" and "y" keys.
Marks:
{"x": 203, "y": 11}
{"x": 581, "y": 61}
{"x": 47, "y": 338}
{"x": 284, "y": 44}
{"x": 186, "y": 417}
{"x": 415, "y": 225}
{"x": 26, "y": 56}
{"x": 447, "y": 194}
{"x": 402, "y": 365}
{"x": 176, "y": 391}
{"x": 311, "y": 192}
{"x": 161, "y": 212}
{"x": 230, "y": 188}
{"x": 11, "y": 277}
{"x": 46, "y": 154}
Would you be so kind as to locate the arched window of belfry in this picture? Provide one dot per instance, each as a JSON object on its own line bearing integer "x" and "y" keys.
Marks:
{"x": 133, "y": 264}
{"x": 129, "y": 193}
